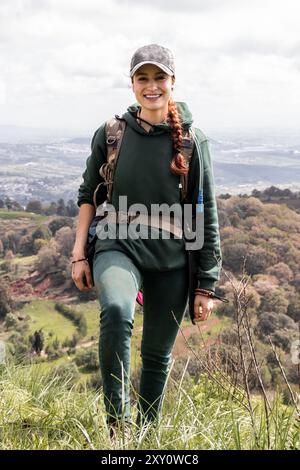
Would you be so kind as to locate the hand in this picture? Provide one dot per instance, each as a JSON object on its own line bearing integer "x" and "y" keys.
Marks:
{"x": 81, "y": 275}
{"x": 203, "y": 307}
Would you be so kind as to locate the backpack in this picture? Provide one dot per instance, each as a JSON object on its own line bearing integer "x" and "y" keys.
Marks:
{"x": 114, "y": 132}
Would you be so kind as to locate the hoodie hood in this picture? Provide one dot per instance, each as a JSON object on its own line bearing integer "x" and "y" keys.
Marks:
{"x": 130, "y": 118}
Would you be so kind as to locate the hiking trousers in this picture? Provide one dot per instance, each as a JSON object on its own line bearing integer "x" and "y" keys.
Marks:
{"x": 117, "y": 281}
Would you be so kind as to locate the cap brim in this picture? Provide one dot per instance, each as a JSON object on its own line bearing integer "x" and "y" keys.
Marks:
{"x": 161, "y": 66}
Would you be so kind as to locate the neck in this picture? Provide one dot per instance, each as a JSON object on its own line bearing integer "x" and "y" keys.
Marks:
{"x": 153, "y": 116}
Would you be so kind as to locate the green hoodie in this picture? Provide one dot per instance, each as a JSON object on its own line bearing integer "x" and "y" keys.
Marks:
{"x": 143, "y": 175}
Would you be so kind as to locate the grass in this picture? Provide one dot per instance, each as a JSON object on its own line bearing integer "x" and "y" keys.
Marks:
{"x": 43, "y": 315}
{"x": 40, "y": 410}
{"x": 214, "y": 330}
{"x": 91, "y": 313}
{"x": 6, "y": 214}
{"x": 25, "y": 260}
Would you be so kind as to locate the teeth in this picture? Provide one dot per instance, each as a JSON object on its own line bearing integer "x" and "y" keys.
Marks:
{"x": 152, "y": 96}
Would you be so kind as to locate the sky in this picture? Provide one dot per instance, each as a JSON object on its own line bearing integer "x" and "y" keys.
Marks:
{"x": 64, "y": 64}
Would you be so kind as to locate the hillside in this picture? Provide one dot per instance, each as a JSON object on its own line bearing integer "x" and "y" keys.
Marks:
{"x": 48, "y": 327}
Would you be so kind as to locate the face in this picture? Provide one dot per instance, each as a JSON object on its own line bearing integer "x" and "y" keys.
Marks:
{"x": 152, "y": 87}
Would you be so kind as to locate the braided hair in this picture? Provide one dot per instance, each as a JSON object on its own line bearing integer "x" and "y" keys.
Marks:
{"x": 178, "y": 164}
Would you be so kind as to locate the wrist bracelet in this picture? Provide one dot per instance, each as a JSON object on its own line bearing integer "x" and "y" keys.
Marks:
{"x": 210, "y": 294}
{"x": 77, "y": 260}
{"x": 207, "y": 293}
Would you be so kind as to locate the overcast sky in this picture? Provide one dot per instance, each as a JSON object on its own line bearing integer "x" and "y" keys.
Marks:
{"x": 65, "y": 63}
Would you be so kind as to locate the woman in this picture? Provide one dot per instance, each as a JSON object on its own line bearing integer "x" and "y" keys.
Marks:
{"x": 148, "y": 172}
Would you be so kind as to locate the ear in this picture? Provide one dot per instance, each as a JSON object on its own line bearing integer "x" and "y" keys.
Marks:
{"x": 173, "y": 81}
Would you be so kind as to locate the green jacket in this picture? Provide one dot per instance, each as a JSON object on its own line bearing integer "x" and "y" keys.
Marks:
{"x": 143, "y": 175}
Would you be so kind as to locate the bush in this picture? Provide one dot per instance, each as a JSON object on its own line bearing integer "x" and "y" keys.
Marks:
{"x": 26, "y": 247}
{"x": 65, "y": 238}
{"x": 42, "y": 233}
{"x": 19, "y": 347}
{"x": 38, "y": 244}
{"x": 47, "y": 259}
{"x": 293, "y": 310}
{"x": 66, "y": 373}
{"x": 10, "y": 321}
{"x": 87, "y": 359}
{"x": 282, "y": 339}
{"x": 77, "y": 318}
{"x": 6, "y": 301}
{"x": 58, "y": 223}
{"x": 53, "y": 351}
{"x": 34, "y": 206}
{"x": 274, "y": 301}
{"x": 95, "y": 381}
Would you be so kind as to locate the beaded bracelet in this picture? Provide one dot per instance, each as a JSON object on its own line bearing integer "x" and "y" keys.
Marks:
{"x": 210, "y": 294}
{"x": 207, "y": 293}
{"x": 77, "y": 260}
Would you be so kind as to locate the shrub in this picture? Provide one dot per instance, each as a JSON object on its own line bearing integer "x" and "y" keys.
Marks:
{"x": 77, "y": 318}
{"x": 6, "y": 301}
{"x": 58, "y": 223}
{"x": 87, "y": 359}
{"x": 66, "y": 373}
{"x": 10, "y": 321}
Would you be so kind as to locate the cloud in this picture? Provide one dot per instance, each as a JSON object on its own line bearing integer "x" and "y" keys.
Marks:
{"x": 179, "y": 5}
{"x": 229, "y": 55}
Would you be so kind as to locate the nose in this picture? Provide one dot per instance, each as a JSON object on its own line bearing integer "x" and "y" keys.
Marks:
{"x": 151, "y": 85}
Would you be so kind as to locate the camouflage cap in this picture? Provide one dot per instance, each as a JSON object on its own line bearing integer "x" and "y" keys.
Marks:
{"x": 153, "y": 54}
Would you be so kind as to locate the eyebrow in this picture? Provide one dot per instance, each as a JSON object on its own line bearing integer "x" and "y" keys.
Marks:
{"x": 156, "y": 73}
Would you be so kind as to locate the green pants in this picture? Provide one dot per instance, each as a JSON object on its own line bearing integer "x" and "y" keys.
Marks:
{"x": 117, "y": 281}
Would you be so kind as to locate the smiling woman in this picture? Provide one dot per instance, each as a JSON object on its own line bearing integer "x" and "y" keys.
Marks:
{"x": 144, "y": 155}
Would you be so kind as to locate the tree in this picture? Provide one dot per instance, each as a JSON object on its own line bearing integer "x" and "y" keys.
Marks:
{"x": 37, "y": 341}
{"x": 51, "y": 209}
{"x": 234, "y": 255}
{"x": 6, "y": 301}
{"x": 281, "y": 271}
{"x": 65, "y": 239}
{"x": 72, "y": 209}
{"x": 41, "y": 232}
{"x": 26, "y": 245}
{"x": 258, "y": 260}
{"x": 58, "y": 223}
{"x": 47, "y": 259}
{"x": 294, "y": 308}
{"x": 8, "y": 203}
{"x": 11, "y": 241}
{"x": 274, "y": 301}
{"x": 34, "y": 206}
{"x": 61, "y": 208}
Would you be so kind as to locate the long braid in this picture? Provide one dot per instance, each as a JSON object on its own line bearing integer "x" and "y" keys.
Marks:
{"x": 178, "y": 165}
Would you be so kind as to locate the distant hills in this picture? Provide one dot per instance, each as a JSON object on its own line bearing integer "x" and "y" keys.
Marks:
{"x": 47, "y": 165}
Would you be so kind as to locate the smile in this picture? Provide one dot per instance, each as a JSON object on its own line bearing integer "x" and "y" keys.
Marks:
{"x": 152, "y": 97}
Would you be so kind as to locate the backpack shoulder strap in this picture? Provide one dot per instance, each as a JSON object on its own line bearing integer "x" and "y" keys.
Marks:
{"x": 114, "y": 132}
{"x": 187, "y": 152}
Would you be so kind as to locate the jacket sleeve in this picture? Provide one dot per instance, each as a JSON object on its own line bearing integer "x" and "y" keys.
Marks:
{"x": 209, "y": 257}
{"x": 91, "y": 176}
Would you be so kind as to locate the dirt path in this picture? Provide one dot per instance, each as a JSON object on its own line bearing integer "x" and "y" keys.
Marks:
{"x": 181, "y": 348}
